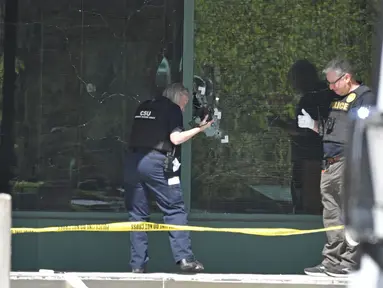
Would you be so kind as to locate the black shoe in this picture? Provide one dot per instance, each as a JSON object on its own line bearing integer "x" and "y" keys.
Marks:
{"x": 339, "y": 271}
{"x": 138, "y": 270}
{"x": 191, "y": 266}
{"x": 319, "y": 270}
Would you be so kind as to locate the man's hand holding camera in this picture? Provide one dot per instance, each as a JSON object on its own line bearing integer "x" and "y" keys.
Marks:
{"x": 204, "y": 124}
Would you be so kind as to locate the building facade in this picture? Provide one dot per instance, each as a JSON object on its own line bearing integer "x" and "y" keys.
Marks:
{"x": 81, "y": 69}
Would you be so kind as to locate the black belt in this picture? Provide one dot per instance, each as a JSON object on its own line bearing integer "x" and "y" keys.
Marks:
{"x": 145, "y": 150}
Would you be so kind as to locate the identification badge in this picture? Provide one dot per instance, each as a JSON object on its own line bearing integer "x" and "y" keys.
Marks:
{"x": 176, "y": 165}
{"x": 174, "y": 181}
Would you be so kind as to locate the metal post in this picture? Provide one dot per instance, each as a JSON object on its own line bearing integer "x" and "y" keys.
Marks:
{"x": 9, "y": 78}
{"x": 5, "y": 239}
{"x": 187, "y": 68}
{"x": 380, "y": 82}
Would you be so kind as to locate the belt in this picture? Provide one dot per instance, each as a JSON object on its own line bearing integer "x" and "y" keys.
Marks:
{"x": 333, "y": 160}
{"x": 145, "y": 150}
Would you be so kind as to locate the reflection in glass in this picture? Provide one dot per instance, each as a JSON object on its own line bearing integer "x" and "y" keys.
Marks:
{"x": 250, "y": 46}
{"x": 86, "y": 65}
{"x": 306, "y": 145}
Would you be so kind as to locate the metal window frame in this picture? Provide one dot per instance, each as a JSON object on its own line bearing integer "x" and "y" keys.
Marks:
{"x": 187, "y": 76}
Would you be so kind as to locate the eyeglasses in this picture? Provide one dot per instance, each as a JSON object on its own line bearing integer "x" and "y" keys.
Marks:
{"x": 334, "y": 82}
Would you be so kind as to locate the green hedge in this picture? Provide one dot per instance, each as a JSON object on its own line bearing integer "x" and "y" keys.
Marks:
{"x": 251, "y": 44}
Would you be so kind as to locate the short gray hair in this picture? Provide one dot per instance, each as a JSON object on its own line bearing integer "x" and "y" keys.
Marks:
{"x": 340, "y": 66}
{"x": 174, "y": 92}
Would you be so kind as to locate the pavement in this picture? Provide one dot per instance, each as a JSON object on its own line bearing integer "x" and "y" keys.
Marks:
{"x": 49, "y": 279}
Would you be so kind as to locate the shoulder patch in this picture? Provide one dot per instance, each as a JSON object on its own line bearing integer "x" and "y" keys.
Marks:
{"x": 351, "y": 97}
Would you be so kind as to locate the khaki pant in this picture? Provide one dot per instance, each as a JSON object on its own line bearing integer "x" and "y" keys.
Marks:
{"x": 336, "y": 251}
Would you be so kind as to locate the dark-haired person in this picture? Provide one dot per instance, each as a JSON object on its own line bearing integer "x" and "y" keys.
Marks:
{"x": 307, "y": 147}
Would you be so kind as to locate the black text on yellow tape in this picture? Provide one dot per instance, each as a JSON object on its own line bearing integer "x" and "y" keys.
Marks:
{"x": 148, "y": 226}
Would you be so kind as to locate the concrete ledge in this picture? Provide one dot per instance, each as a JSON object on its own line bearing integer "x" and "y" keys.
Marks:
{"x": 120, "y": 280}
{"x": 194, "y": 216}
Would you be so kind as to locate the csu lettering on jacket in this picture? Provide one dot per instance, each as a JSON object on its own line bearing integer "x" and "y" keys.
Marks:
{"x": 154, "y": 121}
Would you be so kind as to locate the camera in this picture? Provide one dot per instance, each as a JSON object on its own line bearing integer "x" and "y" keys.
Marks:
{"x": 203, "y": 99}
{"x": 205, "y": 106}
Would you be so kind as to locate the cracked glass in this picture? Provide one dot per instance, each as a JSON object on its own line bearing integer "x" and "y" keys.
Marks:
{"x": 83, "y": 66}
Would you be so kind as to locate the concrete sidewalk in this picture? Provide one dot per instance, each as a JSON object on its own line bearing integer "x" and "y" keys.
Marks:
{"x": 161, "y": 280}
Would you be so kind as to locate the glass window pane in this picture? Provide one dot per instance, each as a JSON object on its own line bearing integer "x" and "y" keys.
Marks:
{"x": 84, "y": 67}
{"x": 248, "y": 49}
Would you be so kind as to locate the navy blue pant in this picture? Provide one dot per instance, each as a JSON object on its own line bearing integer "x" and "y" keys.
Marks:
{"x": 144, "y": 173}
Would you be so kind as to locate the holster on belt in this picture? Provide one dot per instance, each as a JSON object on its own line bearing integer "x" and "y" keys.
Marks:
{"x": 168, "y": 164}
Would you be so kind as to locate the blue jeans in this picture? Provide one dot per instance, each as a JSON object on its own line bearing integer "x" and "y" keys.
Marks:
{"x": 144, "y": 173}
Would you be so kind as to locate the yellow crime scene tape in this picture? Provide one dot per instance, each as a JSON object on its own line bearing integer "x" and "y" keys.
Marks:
{"x": 148, "y": 226}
